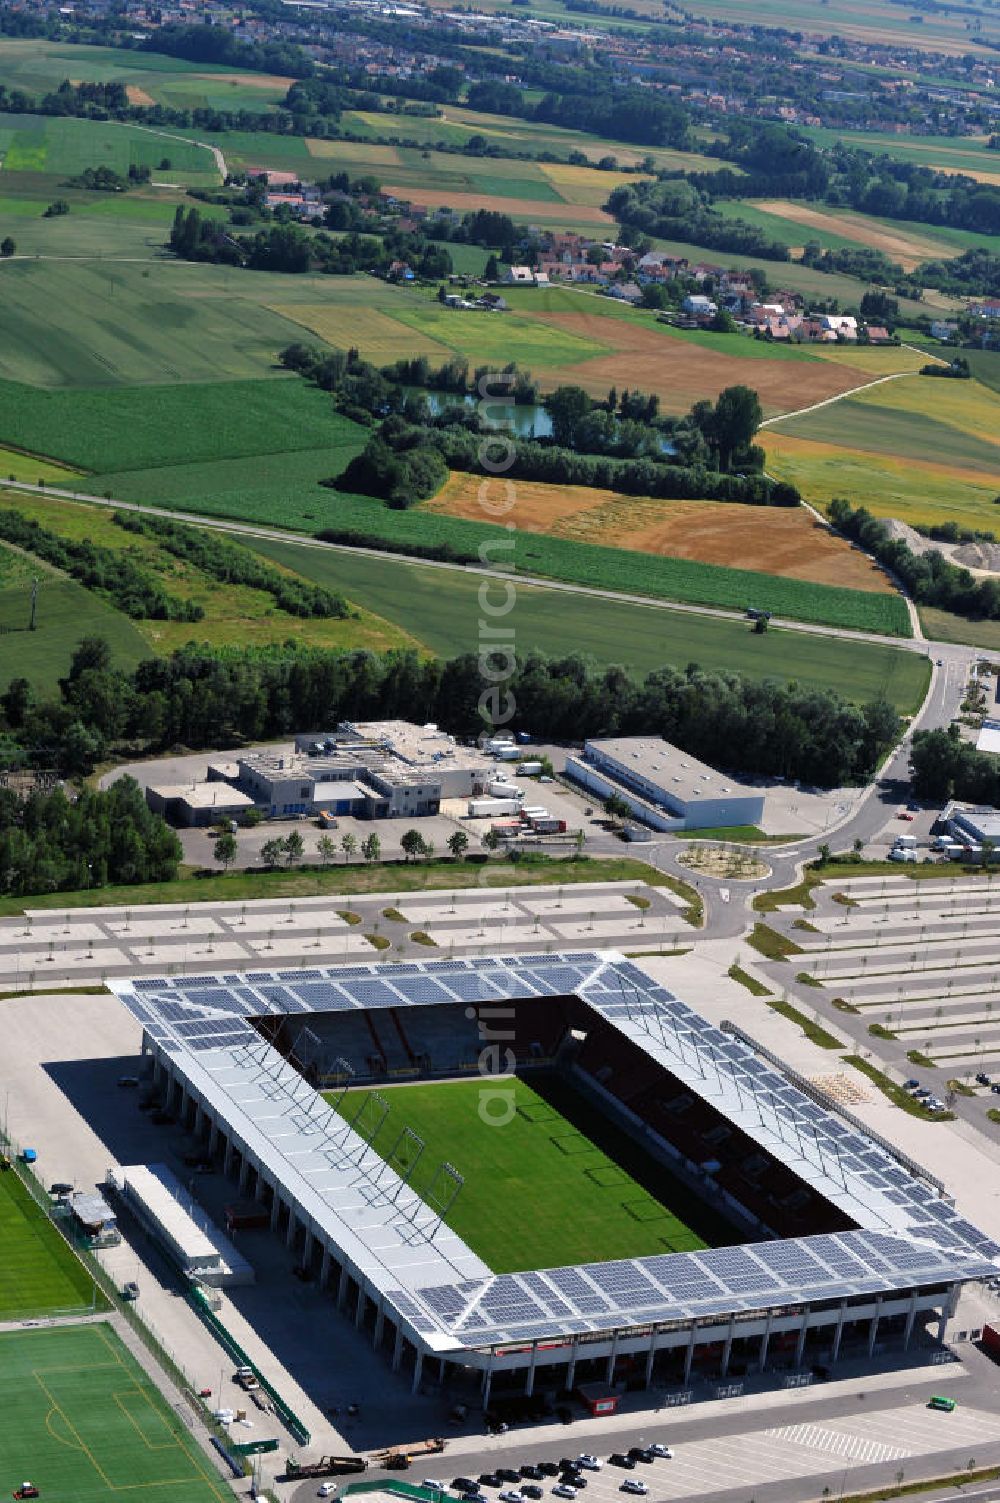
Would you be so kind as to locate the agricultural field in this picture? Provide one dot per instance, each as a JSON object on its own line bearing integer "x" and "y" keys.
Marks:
{"x": 966, "y": 154}
{"x": 922, "y": 450}
{"x": 865, "y": 20}
{"x": 794, "y": 223}
{"x": 152, "y": 427}
{"x": 639, "y": 637}
{"x": 39, "y": 1273}
{"x": 789, "y": 543}
{"x": 556, "y": 1184}
{"x": 84, "y": 1421}
{"x": 455, "y": 125}
{"x": 63, "y": 146}
{"x": 234, "y": 613}
{"x": 39, "y": 66}
{"x": 65, "y": 612}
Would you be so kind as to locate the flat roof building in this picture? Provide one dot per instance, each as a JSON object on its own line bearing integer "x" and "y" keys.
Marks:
{"x": 979, "y": 824}
{"x": 197, "y": 803}
{"x": 663, "y": 786}
{"x": 159, "y": 1201}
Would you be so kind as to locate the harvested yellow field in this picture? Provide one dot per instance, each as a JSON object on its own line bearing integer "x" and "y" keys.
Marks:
{"x": 532, "y": 209}
{"x": 966, "y": 405}
{"x": 380, "y": 337}
{"x": 788, "y": 542}
{"x": 584, "y": 185}
{"x": 920, "y": 493}
{"x": 904, "y": 246}
{"x": 269, "y": 81}
{"x": 138, "y": 96}
{"x": 355, "y": 151}
{"x": 872, "y": 361}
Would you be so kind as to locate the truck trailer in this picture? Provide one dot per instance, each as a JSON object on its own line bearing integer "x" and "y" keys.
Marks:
{"x": 493, "y": 808}
{"x": 326, "y": 1466}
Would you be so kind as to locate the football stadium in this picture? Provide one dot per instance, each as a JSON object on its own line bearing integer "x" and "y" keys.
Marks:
{"x": 538, "y": 1172}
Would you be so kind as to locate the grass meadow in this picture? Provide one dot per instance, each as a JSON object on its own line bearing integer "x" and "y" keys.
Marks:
{"x": 557, "y": 1184}
{"x": 39, "y": 1273}
{"x": 234, "y": 613}
{"x": 639, "y": 637}
{"x": 65, "y": 612}
{"x": 64, "y": 146}
{"x": 84, "y": 1421}
{"x": 864, "y": 20}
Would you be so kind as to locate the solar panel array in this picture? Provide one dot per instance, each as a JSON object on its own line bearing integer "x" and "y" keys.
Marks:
{"x": 906, "y": 1234}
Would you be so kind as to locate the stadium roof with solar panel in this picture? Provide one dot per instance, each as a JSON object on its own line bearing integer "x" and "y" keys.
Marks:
{"x": 247, "y": 1053}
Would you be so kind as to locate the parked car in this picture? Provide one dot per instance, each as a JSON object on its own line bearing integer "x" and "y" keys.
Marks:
{"x": 489, "y": 1479}
{"x": 325, "y": 1489}
{"x": 548, "y": 1469}
{"x": 130, "y": 1290}
{"x": 563, "y": 1490}
{"x": 617, "y": 1458}
{"x": 60, "y": 1187}
{"x": 982, "y": 1079}
{"x": 588, "y": 1462}
{"x": 910, "y": 1085}
{"x": 508, "y": 1474}
{"x": 661, "y": 1450}
{"x": 530, "y": 1470}
{"x": 508, "y": 1495}
{"x": 463, "y": 1484}
{"x": 633, "y": 1485}
{"x": 531, "y": 1490}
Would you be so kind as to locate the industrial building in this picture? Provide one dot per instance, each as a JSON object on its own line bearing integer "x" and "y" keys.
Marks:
{"x": 197, "y": 804}
{"x": 841, "y": 1246}
{"x": 158, "y": 1200}
{"x": 664, "y": 787}
{"x": 381, "y": 769}
{"x": 979, "y": 825}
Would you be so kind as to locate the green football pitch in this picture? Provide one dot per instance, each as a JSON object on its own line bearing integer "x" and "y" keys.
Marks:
{"x": 39, "y": 1274}
{"x": 556, "y": 1184}
{"x": 83, "y": 1422}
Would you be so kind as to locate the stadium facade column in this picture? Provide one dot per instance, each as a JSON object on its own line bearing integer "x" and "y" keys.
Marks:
{"x": 324, "y": 1268}
{"x": 418, "y": 1371}
{"x": 213, "y": 1137}
{"x": 609, "y": 1376}
{"x": 911, "y": 1316}
{"x": 800, "y": 1345}
{"x": 307, "y": 1248}
{"x": 397, "y": 1350}
{"x": 727, "y": 1347}
{"x": 292, "y": 1227}
{"x": 199, "y": 1119}
{"x": 488, "y": 1383}
{"x": 244, "y": 1174}
{"x": 765, "y": 1341}
{"x": 838, "y": 1333}
{"x": 342, "y": 1286}
{"x": 873, "y": 1327}
{"x": 275, "y": 1210}
{"x": 227, "y": 1163}
{"x": 379, "y": 1324}
{"x": 571, "y": 1369}
{"x": 689, "y": 1355}
{"x": 529, "y": 1382}
{"x": 359, "y": 1309}
{"x": 650, "y": 1359}
{"x": 259, "y": 1186}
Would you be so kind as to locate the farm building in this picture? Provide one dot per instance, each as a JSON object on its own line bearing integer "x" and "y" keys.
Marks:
{"x": 830, "y": 1244}
{"x": 664, "y": 787}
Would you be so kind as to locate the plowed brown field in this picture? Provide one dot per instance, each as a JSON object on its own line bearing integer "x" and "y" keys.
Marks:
{"x": 773, "y": 540}
{"x": 681, "y": 372}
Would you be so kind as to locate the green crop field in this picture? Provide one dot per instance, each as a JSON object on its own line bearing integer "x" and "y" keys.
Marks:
{"x": 64, "y": 146}
{"x": 39, "y": 1273}
{"x": 968, "y": 154}
{"x": 65, "y": 612}
{"x": 865, "y": 20}
{"x": 148, "y": 427}
{"x": 85, "y": 1423}
{"x": 642, "y": 638}
{"x": 557, "y": 1184}
{"x": 39, "y": 66}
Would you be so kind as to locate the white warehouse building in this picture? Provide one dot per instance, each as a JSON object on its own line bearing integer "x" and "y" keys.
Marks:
{"x": 664, "y": 787}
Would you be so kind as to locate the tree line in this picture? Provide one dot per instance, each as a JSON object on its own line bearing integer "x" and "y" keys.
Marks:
{"x": 929, "y": 578}
{"x": 232, "y": 565}
{"x": 107, "y": 572}
{"x": 204, "y": 697}
{"x": 287, "y": 247}
{"x": 946, "y": 767}
{"x": 52, "y": 843}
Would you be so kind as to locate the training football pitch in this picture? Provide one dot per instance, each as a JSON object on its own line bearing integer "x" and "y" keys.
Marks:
{"x": 82, "y": 1421}
{"x": 555, "y": 1184}
{"x": 39, "y": 1274}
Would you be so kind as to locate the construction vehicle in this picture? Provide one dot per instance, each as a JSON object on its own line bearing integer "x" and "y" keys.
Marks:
{"x": 26, "y": 1490}
{"x": 401, "y": 1460}
{"x": 326, "y": 1466}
